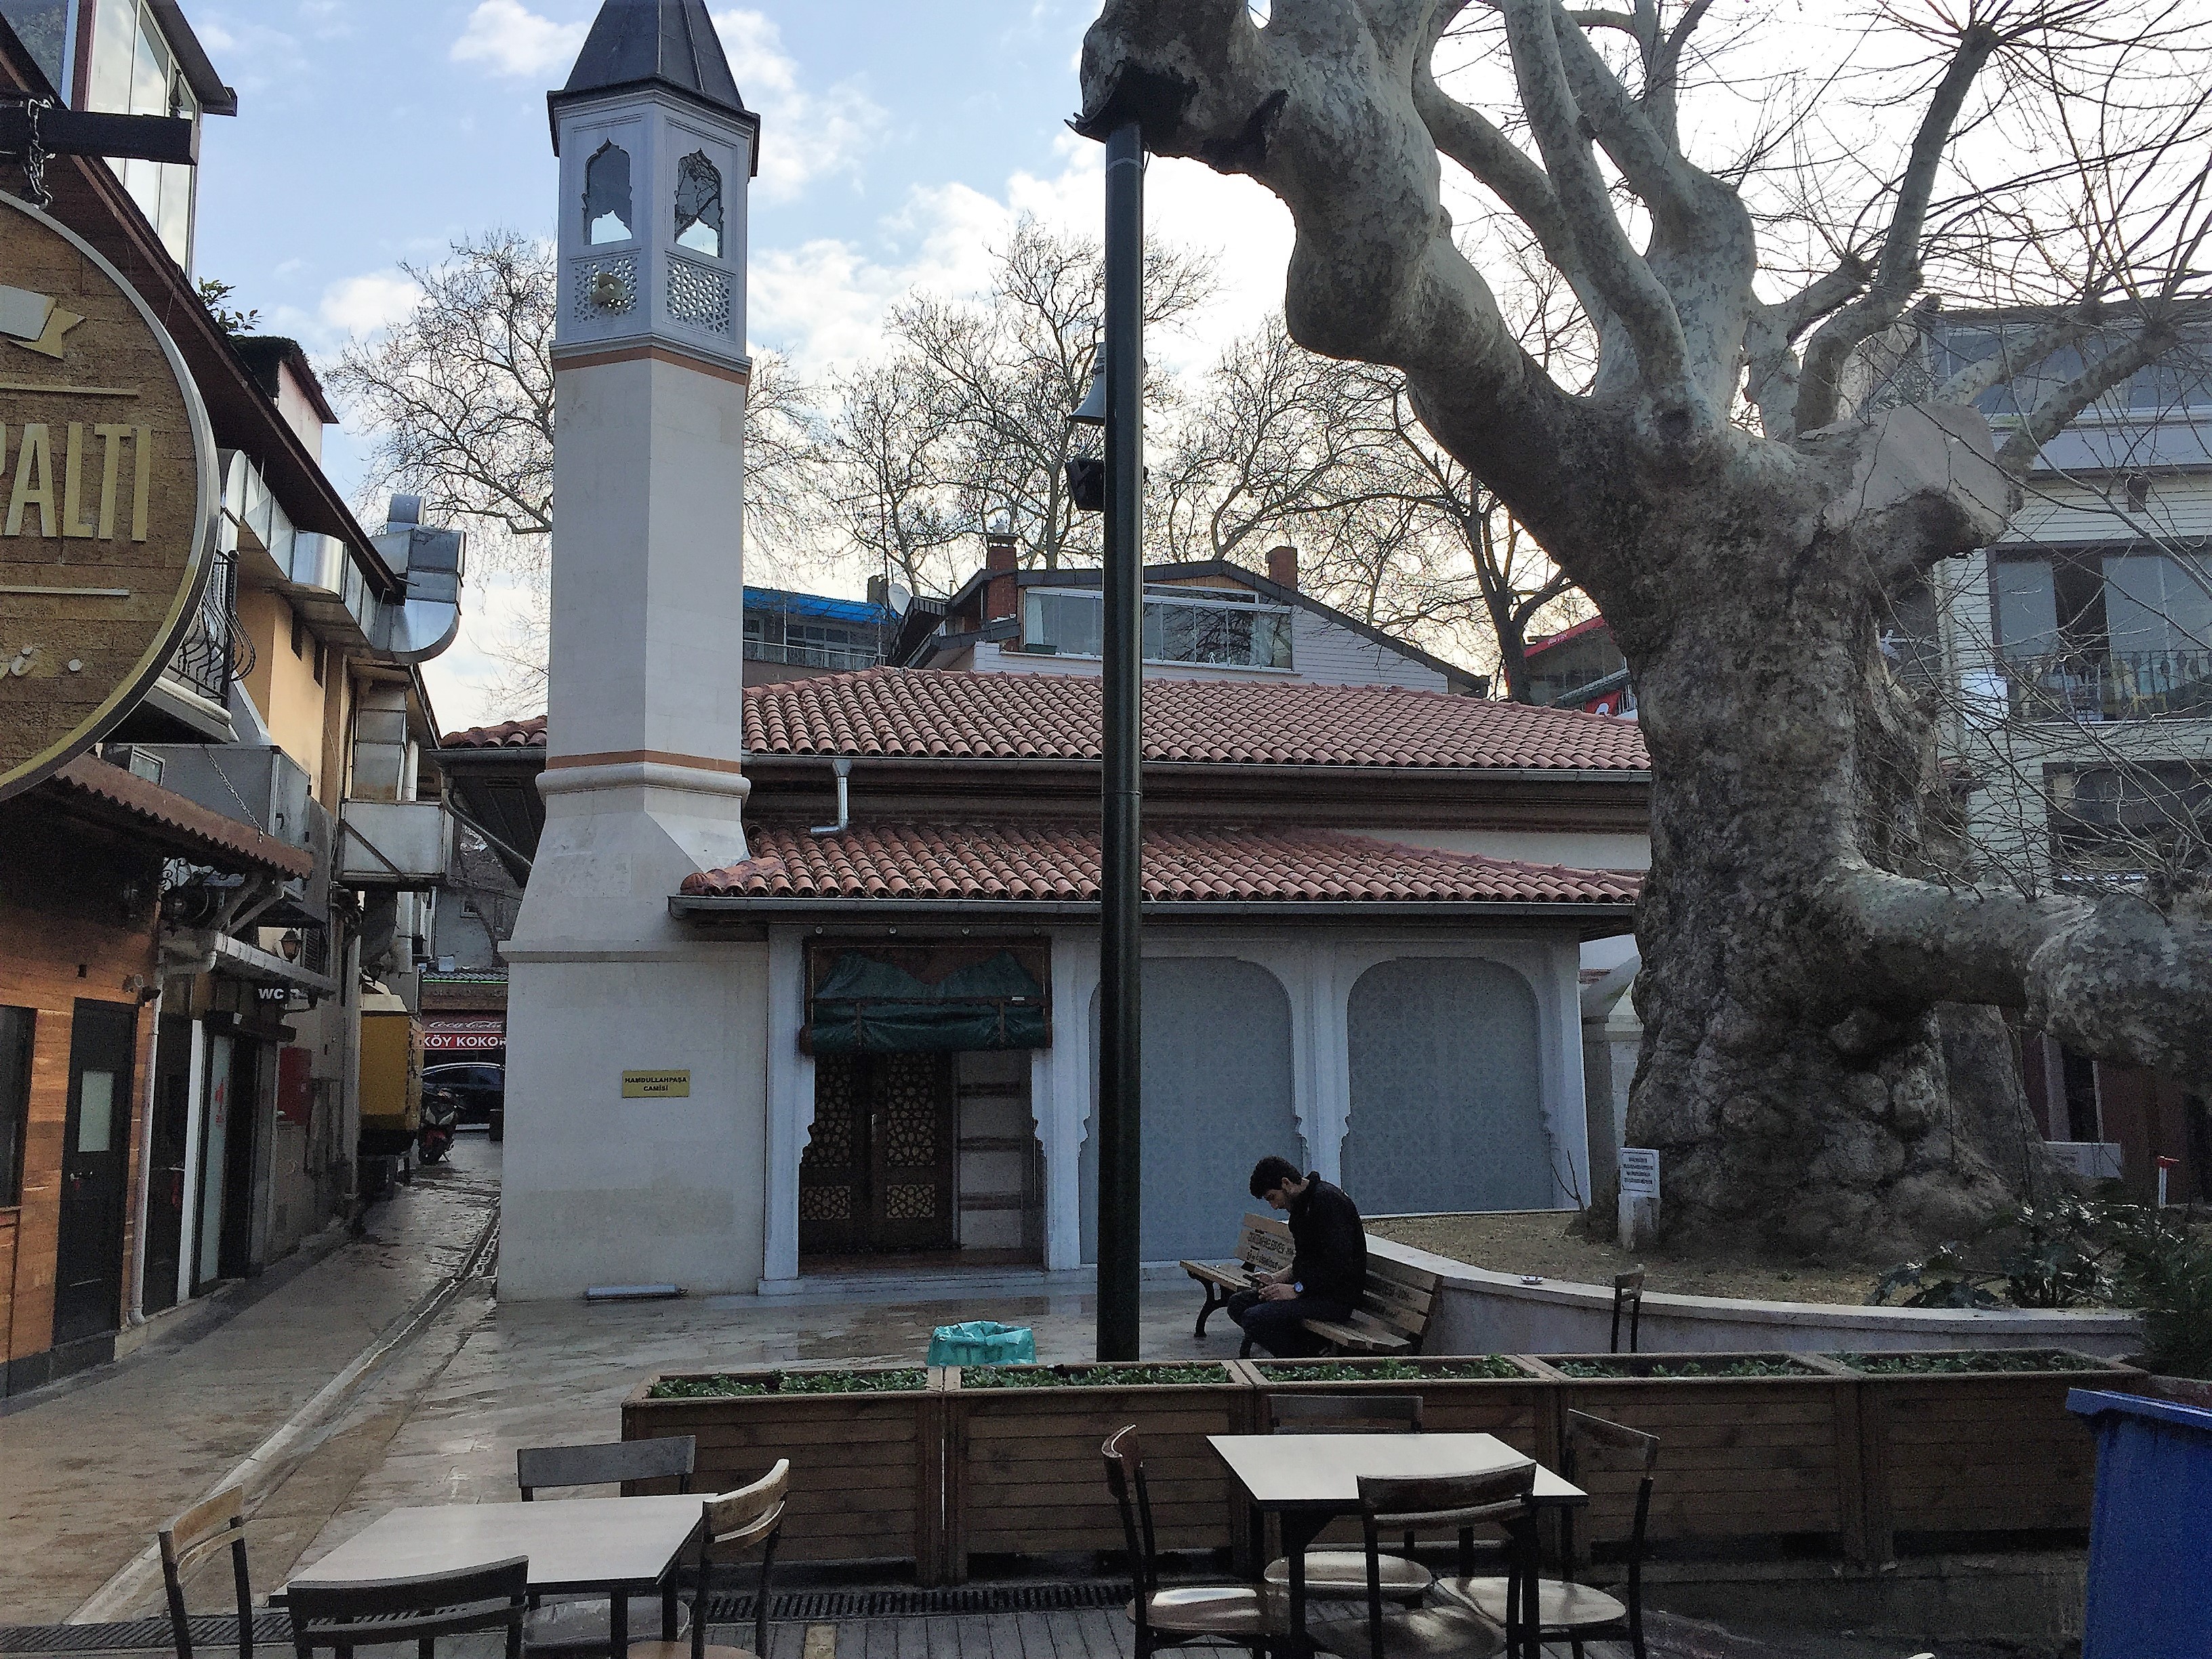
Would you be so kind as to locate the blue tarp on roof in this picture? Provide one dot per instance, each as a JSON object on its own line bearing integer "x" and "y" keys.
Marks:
{"x": 815, "y": 605}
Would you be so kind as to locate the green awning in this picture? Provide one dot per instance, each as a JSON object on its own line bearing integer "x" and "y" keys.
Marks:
{"x": 864, "y": 1005}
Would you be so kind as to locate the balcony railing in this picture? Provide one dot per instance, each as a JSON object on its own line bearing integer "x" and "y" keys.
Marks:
{"x": 810, "y": 656}
{"x": 215, "y": 650}
{"x": 2119, "y": 685}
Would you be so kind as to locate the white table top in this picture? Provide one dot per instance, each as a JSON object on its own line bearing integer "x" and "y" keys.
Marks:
{"x": 573, "y": 1543}
{"x": 1281, "y": 1471}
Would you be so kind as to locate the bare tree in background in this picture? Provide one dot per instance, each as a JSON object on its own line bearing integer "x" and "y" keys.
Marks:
{"x": 891, "y": 473}
{"x": 1740, "y": 523}
{"x": 1013, "y": 364}
{"x": 458, "y": 397}
{"x": 1282, "y": 443}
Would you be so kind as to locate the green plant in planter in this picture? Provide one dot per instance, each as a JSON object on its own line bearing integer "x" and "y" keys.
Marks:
{"x": 1611, "y": 1367}
{"x": 1091, "y": 1376}
{"x": 1489, "y": 1365}
{"x": 2165, "y": 1270}
{"x": 1969, "y": 1363}
{"x": 905, "y": 1379}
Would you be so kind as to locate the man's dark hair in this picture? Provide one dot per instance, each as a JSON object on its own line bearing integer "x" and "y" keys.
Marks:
{"x": 1270, "y": 1173}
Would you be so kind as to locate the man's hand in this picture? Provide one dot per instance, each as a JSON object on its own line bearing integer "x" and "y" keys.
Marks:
{"x": 1278, "y": 1292}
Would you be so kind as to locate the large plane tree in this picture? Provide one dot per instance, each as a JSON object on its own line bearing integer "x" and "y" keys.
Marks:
{"x": 1742, "y": 515}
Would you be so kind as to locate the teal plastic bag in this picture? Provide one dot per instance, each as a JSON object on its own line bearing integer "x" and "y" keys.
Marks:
{"x": 982, "y": 1342}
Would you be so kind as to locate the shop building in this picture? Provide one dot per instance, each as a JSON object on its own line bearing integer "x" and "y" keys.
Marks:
{"x": 292, "y": 712}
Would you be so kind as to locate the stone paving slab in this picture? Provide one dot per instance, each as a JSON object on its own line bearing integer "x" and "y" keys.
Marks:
{"x": 94, "y": 1469}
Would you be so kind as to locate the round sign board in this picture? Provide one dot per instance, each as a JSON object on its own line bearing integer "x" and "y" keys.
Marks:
{"x": 107, "y": 496}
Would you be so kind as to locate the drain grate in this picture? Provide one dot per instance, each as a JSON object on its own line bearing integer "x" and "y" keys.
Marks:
{"x": 213, "y": 1630}
{"x": 726, "y": 1607}
{"x": 735, "y": 1608}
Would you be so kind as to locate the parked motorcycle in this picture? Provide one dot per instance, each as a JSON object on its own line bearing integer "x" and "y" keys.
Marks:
{"x": 441, "y": 1116}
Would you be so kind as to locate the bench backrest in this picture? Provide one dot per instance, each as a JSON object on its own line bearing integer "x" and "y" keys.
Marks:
{"x": 1264, "y": 1240}
{"x": 1397, "y": 1298}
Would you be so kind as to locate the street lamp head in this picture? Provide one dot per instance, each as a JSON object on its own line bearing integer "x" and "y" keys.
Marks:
{"x": 1092, "y": 409}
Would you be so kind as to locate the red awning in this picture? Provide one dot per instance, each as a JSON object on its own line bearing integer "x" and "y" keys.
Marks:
{"x": 464, "y": 1032}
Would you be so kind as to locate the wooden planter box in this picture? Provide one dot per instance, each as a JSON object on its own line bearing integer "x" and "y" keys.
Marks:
{"x": 1977, "y": 1451}
{"x": 866, "y": 1469}
{"x": 1023, "y": 1475}
{"x": 1739, "y": 1457}
{"x": 1523, "y": 1410}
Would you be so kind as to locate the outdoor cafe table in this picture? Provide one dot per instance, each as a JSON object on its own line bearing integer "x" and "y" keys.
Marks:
{"x": 618, "y": 1547}
{"x": 1307, "y": 1480}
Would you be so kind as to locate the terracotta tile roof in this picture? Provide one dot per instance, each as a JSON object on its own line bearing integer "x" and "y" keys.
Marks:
{"x": 918, "y": 714}
{"x": 507, "y": 734}
{"x": 1058, "y": 860}
{"x": 227, "y": 839}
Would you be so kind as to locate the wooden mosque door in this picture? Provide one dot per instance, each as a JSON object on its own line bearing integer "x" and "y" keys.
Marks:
{"x": 876, "y": 1173}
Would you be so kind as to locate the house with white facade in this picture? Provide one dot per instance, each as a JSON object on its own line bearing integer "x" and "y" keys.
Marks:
{"x": 2074, "y": 664}
{"x": 1209, "y": 619}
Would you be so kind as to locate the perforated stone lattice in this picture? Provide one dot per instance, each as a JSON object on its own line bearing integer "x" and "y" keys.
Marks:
{"x": 623, "y": 267}
{"x": 698, "y": 295}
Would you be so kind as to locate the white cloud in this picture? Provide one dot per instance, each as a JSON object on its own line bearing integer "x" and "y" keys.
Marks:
{"x": 805, "y": 135}
{"x": 825, "y": 301}
{"x": 362, "y": 305}
{"x": 509, "y": 39}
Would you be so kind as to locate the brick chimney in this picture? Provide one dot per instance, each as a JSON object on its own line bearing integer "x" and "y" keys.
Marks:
{"x": 1001, "y": 558}
{"x": 1283, "y": 566}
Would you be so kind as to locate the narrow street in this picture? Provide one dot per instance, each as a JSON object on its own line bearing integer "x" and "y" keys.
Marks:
{"x": 96, "y": 1462}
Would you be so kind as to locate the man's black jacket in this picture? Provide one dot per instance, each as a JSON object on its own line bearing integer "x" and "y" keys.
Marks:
{"x": 1331, "y": 1260}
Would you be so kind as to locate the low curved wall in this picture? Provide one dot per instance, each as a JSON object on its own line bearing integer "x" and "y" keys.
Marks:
{"x": 1478, "y": 1311}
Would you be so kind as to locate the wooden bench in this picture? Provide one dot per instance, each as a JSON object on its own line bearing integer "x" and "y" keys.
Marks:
{"x": 1392, "y": 1315}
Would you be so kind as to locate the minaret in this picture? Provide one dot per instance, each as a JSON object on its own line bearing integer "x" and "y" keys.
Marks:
{"x": 643, "y": 781}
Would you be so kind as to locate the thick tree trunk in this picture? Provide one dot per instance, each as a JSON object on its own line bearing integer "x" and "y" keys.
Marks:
{"x": 1792, "y": 1107}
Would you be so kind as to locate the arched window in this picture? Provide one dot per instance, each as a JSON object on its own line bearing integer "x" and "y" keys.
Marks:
{"x": 699, "y": 205}
{"x": 607, "y": 194}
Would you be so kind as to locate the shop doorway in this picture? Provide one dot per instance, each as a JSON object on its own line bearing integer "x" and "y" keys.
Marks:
{"x": 878, "y": 1170}
{"x": 168, "y": 1124}
{"x": 96, "y": 1162}
{"x": 223, "y": 1229}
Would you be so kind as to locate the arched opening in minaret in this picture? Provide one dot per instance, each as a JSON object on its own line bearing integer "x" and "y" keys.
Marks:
{"x": 607, "y": 216}
{"x": 699, "y": 205}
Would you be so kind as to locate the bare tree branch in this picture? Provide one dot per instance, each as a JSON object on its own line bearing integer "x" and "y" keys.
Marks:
{"x": 1897, "y": 274}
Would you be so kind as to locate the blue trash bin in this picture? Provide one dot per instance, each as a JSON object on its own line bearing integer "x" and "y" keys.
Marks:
{"x": 2149, "y": 1595}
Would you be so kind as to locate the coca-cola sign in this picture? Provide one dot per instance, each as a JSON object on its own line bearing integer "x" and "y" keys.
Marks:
{"x": 469, "y": 1034}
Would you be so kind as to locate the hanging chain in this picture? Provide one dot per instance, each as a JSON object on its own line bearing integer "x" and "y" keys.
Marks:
{"x": 34, "y": 156}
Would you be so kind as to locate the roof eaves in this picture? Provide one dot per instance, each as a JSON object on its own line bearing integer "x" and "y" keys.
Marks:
{"x": 215, "y": 98}
{"x": 1608, "y": 917}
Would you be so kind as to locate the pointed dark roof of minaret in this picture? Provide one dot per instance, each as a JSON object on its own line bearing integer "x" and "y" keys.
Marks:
{"x": 668, "y": 43}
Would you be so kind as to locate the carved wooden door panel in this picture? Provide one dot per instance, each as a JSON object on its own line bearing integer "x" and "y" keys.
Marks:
{"x": 878, "y": 1170}
{"x": 912, "y": 1144}
{"x": 833, "y": 1170}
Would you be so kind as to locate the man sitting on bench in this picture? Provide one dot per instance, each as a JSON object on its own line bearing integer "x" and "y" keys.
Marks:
{"x": 1326, "y": 1273}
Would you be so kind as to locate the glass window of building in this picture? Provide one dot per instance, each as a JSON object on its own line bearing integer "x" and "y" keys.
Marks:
{"x": 1220, "y": 627}
{"x": 43, "y": 27}
{"x": 133, "y": 72}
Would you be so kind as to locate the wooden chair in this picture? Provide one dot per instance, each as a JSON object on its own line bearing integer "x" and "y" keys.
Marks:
{"x": 1334, "y": 1575}
{"x": 673, "y": 1455}
{"x": 1453, "y": 1630}
{"x": 344, "y": 1617}
{"x": 1565, "y": 1609}
{"x": 735, "y": 1521}
{"x": 1248, "y": 1616}
{"x": 190, "y": 1540}
{"x": 1627, "y": 1296}
{"x": 581, "y": 1623}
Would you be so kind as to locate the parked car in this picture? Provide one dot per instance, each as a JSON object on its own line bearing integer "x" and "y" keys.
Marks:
{"x": 479, "y": 1086}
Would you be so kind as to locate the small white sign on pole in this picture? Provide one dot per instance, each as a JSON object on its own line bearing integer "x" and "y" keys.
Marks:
{"x": 1639, "y": 1217}
{"x": 1639, "y": 1172}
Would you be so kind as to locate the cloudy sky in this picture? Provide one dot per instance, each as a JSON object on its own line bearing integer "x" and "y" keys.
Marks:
{"x": 900, "y": 139}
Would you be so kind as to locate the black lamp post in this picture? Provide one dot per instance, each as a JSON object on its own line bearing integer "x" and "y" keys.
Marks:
{"x": 1120, "y": 944}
